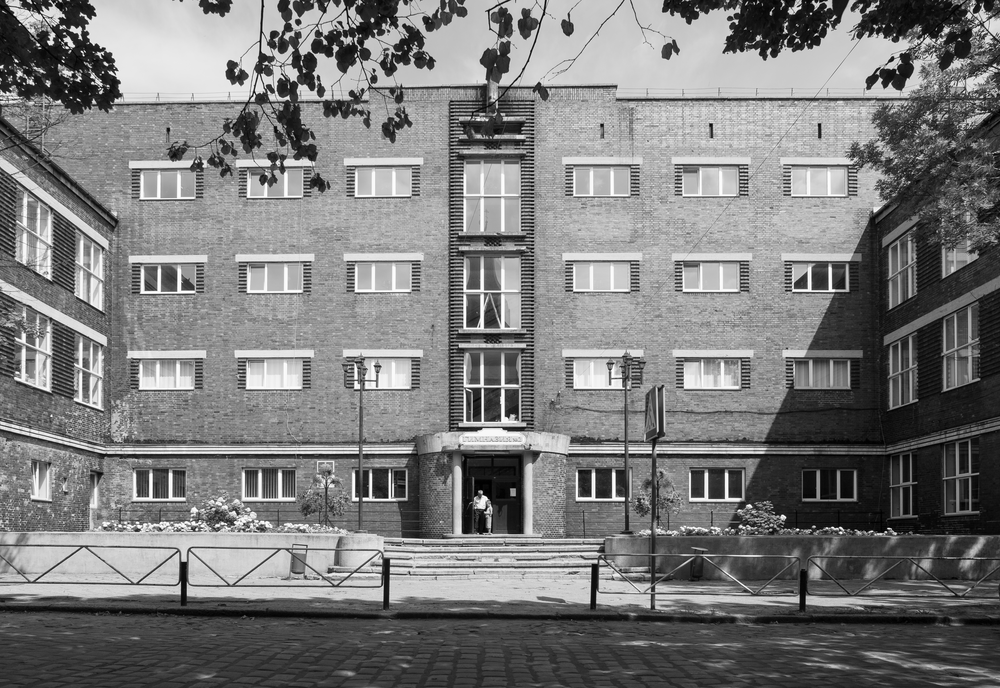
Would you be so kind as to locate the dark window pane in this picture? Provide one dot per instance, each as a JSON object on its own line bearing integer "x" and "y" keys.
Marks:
{"x": 150, "y": 280}
{"x": 168, "y": 278}
{"x": 399, "y": 483}
{"x": 847, "y": 484}
{"x": 620, "y": 483}
{"x": 603, "y": 480}
{"x": 188, "y": 277}
{"x": 142, "y": 483}
{"x": 828, "y": 484}
{"x": 380, "y": 484}
{"x": 808, "y": 484}
{"x": 839, "y": 276}
{"x": 584, "y": 481}
{"x": 716, "y": 483}
{"x": 697, "y": 484}
{"x": 161, "y": 484}
{"x": 735, "y": 484}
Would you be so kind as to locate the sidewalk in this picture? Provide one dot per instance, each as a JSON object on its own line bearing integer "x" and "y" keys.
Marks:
{"x": 566, "y": 597}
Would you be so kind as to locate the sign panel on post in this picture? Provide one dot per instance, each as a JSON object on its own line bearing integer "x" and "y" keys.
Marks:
{"x": 654, "y": 413}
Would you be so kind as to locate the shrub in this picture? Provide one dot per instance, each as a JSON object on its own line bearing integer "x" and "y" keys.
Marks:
{"x": 668, "y": 501}
{"x": 760, "y": 519}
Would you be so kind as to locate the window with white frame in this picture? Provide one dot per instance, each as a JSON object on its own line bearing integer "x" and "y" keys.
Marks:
{"x": 382, "y": 276}
{"x": 711, "y": 181}
{"x": 167, "y": 373}
{"x": 819, "y": 276}
{"x": 492, "y": 196}
{"x": 169, "y": 279}
{"x": 492, "y": 386}
{"x": 711, "y": 276}
{"x": 819, "y": 181}
{"x": 822, "y": 373}
{"x": 903, "y": 371}
{"x": 961, "y": 477}
{"x": 89, "y": 271}
{"x": 40, "y": 480}
{"x": 960, "y": 349}
{"x": 956, "y": 257}
{"x": 395, "y": 374}
{"x": 269, "y": 484}
{"x": 381, "y": 484}
{"x": 712, "y": 373}
{"x": 34, "y": 350}
{"x": 167, "y": 185}
{"x": 287, "y": 184}
{"x": 829, "y": 485}
{"x": 602, "y": 180}
{"x": 492, "y": 292}
{"x": 274, "y": 373}
{"x": 902, "y": 270}
{"x": 34, "y": 233}
{"x": 382, "y": 181}
{"x": 902, "y": 486}
{"x": 274, "y": 278}
{"x": 607, "y": 484}
{"x": 160, "y": 484}
{"x": 592, "y": 373}
{"x": 716, "y": 484}
{"x": 89, "y": 368}
{"x": 602, "y": 276}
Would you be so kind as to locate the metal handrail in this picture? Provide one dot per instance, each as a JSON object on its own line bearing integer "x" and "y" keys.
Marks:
{"x": 174, "y": 552}
{"x": 376, "y": 555}
{"x": 914, "y": 560}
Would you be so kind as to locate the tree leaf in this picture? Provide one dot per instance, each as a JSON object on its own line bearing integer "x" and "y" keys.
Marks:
{"x": 567, "y": 26}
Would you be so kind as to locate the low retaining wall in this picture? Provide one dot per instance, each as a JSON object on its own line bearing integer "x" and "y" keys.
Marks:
{"x": 626, "y": 551}
{"x": 139, "y": 556}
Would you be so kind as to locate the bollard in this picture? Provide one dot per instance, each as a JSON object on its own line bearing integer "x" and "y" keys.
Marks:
{"x": 595, "y": 577}
{"x": 803, "y": 588}
{"x": 698, "y": 564}
{"x": 386, "y": 577}
{"x": 183, "y": 575}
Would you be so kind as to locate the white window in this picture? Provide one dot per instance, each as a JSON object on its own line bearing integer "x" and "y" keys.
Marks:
{"x": 169, "y": 279}
{"x": 492, "y": 292}
{"x": 957, "y": 257}
{"x": 601, "y": 181}
{"x": 710, "y": 276}
{"x": 903, "y": 371}
{"x": 822, "y": 373}
{"x": 902, "y": 270}
{"x": 382, "y": 276}
{"x": 167, "y": 184}
{"x": 382, "y": 181}
{"x": 269, "y": 484}
{"x": 34, "y": 233}
{"x": 381, "y": 484}
{"x": 89, "y": 369}
{"x": 166, "y": 373}
{"x": 160, "y": 484}
{"x": 819, "y": 181}
{"x": 961, "y": 347}
{"x": 829, "y": 485}
{"x": 961, "y": 477}
{"x": 712, "y": 181}
{"x": 492, "y": 387}
{"x": 286, "y": 185}
{"x": 902, "y": 486}
{"x": 592, "y": 373}
{"x": 274, "y": 373}
{"x": 712, "y": 373}
{"x": 34, "y": 350}
{"x": 395, "y": 374}
{"x": 716, "y": 484}
{"x": 492, "y": 196}
{"x": 274, "y": 278}
{"x": 89, "y": 271}
{"x": 819, "y": 276}
{"x": 40, "y": 480}
{"x": 602, "y": 276}
{"x": 600, "y": 484}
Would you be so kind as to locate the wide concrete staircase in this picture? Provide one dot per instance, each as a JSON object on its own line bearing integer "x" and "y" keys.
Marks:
{"x": 494, "y": 556}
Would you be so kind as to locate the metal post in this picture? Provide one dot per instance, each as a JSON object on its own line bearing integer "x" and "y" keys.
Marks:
{"x": 386, "y": 577}
{"x": 628, "y": 477}
{"x": 595, "y": 577}
{"x": 803, "y": 588}
{"x": 183, "y": 575}
{"x": 362, "y": 371}
{"x": 655, "y": 492}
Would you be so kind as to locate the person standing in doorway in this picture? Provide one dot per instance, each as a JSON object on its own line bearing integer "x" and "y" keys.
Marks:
{"x": 480, "y": 504}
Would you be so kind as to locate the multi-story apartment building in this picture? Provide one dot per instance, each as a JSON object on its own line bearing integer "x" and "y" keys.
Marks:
{"x": 725, "y": 244}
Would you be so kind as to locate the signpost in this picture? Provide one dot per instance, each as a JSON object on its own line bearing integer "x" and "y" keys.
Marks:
{"x": 654, "y": 430}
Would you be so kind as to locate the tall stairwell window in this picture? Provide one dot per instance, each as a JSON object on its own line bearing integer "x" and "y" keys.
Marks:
{"x": 492, "y": 387}
{"x": 492, "y": 292}
{"x": 493, "y": 196}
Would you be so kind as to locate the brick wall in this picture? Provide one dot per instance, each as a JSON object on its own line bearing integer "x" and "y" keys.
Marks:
{"x": 436, "y": 483}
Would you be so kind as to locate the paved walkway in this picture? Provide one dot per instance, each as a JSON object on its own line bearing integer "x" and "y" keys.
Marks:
{"x": 566, "y": 596}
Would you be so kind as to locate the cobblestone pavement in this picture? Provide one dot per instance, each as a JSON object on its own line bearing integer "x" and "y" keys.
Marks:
{"x": 53, "y": 649}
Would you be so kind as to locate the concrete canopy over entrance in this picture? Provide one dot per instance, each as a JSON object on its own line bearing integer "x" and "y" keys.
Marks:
{"x": 523, "y": 474}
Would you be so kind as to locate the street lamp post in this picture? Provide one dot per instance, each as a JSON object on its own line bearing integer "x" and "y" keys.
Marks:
{"x": 628, "y": 364}
{"x": 360, "y": 372}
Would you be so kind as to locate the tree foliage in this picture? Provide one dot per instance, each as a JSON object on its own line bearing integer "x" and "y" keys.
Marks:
{"x": 939, "y": 146}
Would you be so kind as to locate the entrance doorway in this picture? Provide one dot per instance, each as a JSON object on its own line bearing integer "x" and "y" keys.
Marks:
{"x": 499, "y": 477}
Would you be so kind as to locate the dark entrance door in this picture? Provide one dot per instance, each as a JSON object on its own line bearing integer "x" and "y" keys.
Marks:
{"x": 499, "y": 477}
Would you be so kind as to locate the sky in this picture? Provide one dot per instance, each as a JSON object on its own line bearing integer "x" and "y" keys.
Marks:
{"x": 171, "y": 49}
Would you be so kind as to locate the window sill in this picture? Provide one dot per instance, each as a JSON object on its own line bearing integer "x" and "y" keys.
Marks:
{"x": 821, "y": 291}
{"x": 710, "y": 196}
{"x": 909, "y": 403}
{"x": 90, "y": 406}
{"x": 829, "y": 501}
{"x": 254, "y": 500}
{"x": 512, "y": 424}
{"x": 959, "y": 513}
{"x": 99, "y": 309}
{"x": 47, "y": 500}
{"x": 492, "y": 235}
{"x": 712, "y": 291}
{"x": 32, "y": 386}
{"x": 712, "y": 389}
{"x": 602, "y": 291}
{"x": 892, "y": 308}
{"x": 140, "y": 500}
{"x": 171, "y": 389}
{"x": 823, "y": 389}
{"x": 375, "y": 198}
{"x": 273, "y": 198}
{"x": 714, "y": 501}
{"x": 379, "y": 500}
{"x": 181, "y": 198}
{"x": 381, "y": 291}
{"x": 511, "y": 330}
{"x": 602, "y": 196}
{"x": 964, "y": 384}
{"x": 911, "y": 517}
{"x": 274, "y": 389}
{"x": 599, "y": 500}
{"x": 265, "y": 293}
{"x": 167, "y": 293}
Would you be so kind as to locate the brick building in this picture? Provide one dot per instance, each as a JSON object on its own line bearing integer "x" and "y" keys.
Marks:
{"x": 726, "y": 244}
